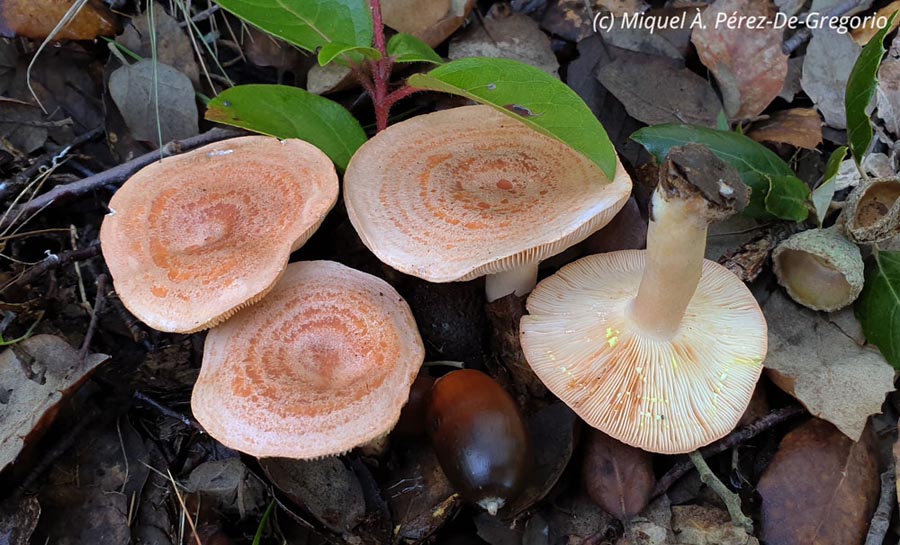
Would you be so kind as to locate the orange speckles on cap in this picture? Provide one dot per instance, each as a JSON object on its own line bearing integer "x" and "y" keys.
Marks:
{"x": 324, "y": 363}
{"x": 196, "y": 236}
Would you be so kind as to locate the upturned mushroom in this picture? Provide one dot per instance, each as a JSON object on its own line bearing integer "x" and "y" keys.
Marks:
{"x": 658, "y": 348}
{"x": 192, "y": 238}
{"x": 469, "y": 192}
{"x": 323, "y": 364}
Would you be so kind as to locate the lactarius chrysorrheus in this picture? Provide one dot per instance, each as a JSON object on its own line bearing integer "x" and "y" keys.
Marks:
{"x": 468, "y": 192}
{"x": 658, "y": 348}
{"x": 192, "y": 238}
{"x": 321, "y": 365}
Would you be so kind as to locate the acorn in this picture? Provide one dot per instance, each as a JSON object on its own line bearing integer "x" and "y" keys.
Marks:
{"x": 820, "y": 269}
{"x": 479, "y": 437}
{"x": 412, "y": 420}
{"x": 872, "y": 211}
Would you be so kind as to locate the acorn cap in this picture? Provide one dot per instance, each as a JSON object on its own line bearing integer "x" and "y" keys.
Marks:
{"x": 461, "y": 193}
{"x": 323, "y": 364}
{"x": 667, "y": 396}
{"x": 194, "y": 237}
{"x": 819, "y": 269}
{"x": 872, "y": 211}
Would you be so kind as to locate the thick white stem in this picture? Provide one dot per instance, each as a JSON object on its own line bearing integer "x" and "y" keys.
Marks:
{"x": 520, "y": 281}
{"x": 676, "y": 244}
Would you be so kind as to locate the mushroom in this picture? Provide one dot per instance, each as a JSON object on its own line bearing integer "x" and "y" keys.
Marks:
{"x": 192, "y": 238}
{"x": 467, "y": 192}
{"x": 658, "y": 348}
{"x": 323, "y": 364}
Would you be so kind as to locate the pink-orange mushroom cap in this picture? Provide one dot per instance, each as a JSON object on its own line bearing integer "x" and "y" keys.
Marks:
{"x": 194, "y": 237}
{"x": 467, "y": 192}
{"x": 321, "y": 365}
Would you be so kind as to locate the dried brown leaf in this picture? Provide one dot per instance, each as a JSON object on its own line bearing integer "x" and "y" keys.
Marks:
{"x": 35, "y": 376}
{"x": 134, "y": 88}
{"x": 887, "y": 93}
{"x": 619, "y": 478}
{"x": 508, "y": 35}
{"x": 17, "y": 521}
{"x": 799, "y": 127}
{"x": 37, "y": 18}
{"x": 813, "y": 360}
{"x": 747, "y": 61}
{"x": 173, "y": 46}
{"x": 432, "y": 21}
{"x": 702, "y": 525}
{"x": 820, "y": 487}
{"x": 636, "y": 79}
{"x": 830, "y": 57}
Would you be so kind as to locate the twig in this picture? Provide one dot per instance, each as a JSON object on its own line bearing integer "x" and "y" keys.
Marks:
{"x": 165, "y": 411}
{"x": 11, "y": 185}
{"x": 116, "y": 175}
{"x": 54, "y": 261}
{"x": 799, "y": 38}
{"x": 732, "y": 500}
{"x": 95, "y": 317}
{"x": 881, "y": 521}
{"x": 732, "y": 440}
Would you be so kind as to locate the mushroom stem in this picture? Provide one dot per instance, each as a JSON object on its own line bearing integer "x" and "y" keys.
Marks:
{"x": 520, "y": 281}
{"x": 676, "y": 244}
{"x": 695, "y": 188}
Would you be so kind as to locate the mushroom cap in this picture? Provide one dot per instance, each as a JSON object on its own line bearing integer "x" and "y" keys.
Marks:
{"x": 461, "y": 193}
{"x": 324, "y": 363}
{"x": 667, "y": 396}
{"x": 194, "y": 237}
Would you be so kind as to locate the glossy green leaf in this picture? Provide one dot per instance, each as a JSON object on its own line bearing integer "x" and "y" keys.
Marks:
{"x": 823, "y": 195}
{"x": 408, "y": 48}
{"x": 289, "y": 112}
{"x": 878, "y": 306}
{"x": 722, "y": 121}
{"x": 308, "y": 24}
{"x": 758, "y": 166}
{"x": 788, "y": 198}
{"x": 530, "y": 95}
{"x": 345, "y": 54}
{"x": 860, "y": 90}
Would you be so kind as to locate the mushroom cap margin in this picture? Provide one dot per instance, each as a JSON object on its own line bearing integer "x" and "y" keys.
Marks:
{"x": 666, "y": 396}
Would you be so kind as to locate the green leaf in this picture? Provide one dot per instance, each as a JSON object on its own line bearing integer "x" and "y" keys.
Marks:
{"x": 408, "y": 48}
{"x": 823, "y": 194}
{"x": 788, "y": 198}
{"x": 722, "y": 121}
{"x": 289, "y": 112}
{"x": 530, "y": 95}
{"x": 878, "y": 306}
{"x": 860, "y": 89}
{"x": 758, "y": 166}
{"x": 308, "y": 24}
{"x": 345, "y": 54}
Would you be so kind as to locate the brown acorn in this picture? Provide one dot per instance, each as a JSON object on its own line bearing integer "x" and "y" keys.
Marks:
{"x": 412, "y": 417}
{"x": 479, "y": 437}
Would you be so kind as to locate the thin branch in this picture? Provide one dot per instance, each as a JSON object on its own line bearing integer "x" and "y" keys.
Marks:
{"x": 731, "y": 440}
{"x": 732, "y": 500}
{"x": 54, "y": 261}
{"x": 116, "y": 175}
{"x": 881, "y": 521}
{"x": 95, "y": 317}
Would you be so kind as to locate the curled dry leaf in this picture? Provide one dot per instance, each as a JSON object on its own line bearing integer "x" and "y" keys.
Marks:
{"x": 866, "y": 31}
{"x": 814, "y": 361}
{"x": 22, "y": 127}
{"x": 508, "y": 35}
{"x": 35, "y": 376}
{"x": 420, "y": 497}
{"x": 820, "y": 487}
{"x": 432, "y": 21}
{"x": 326, "y": 488}
{"x": 748, "y": 62}
{"x": 134, "y": 90}
{"x": 37, "y": 19}
{"x": 652, "y": 527}
{"x": 887, "y": 93}
{"x": 799, "y": 127}
{"x": 17, "y": 521}
{"x": 619, "y": 478}
{"x": 229, "y": 487}
{"x": 636, "y": 79}
{"x": 829, "y": 59}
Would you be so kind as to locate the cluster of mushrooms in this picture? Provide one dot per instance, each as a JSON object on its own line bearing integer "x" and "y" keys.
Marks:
{"x": 658, "y": 348}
